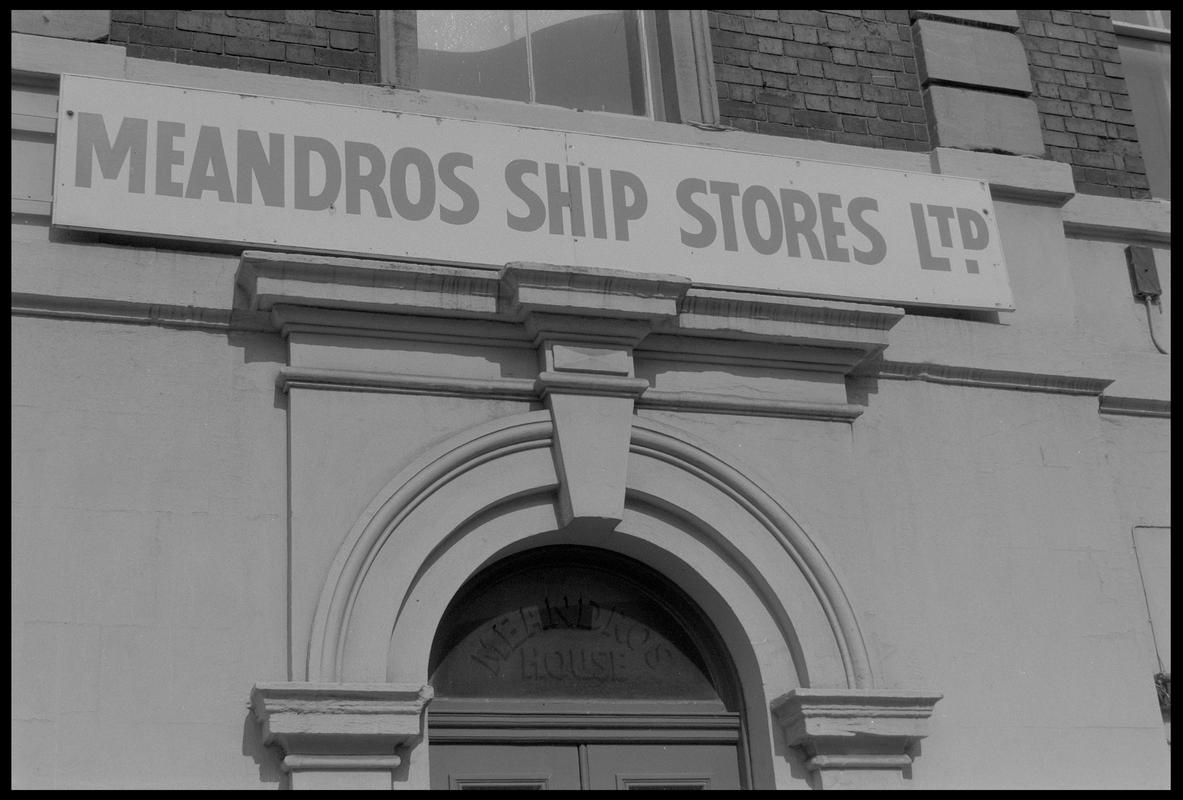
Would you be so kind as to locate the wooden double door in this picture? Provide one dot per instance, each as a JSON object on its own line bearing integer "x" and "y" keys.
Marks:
{"x": 585, "y": 766}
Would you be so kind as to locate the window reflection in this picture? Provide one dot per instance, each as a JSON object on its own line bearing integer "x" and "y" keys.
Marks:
{"x": 591, "y": 60}
{"x": 474, "y": 52}
{"x": 1147, "y": 66}
{"x": 1144, "y": 42}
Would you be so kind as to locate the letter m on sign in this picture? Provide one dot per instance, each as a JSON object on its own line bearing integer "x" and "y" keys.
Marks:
{"x": 130, "y": 147}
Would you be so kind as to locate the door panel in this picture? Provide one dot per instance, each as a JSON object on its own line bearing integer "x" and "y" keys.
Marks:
{"x": 503, "y": 766}
{"x": 660, "y": 766}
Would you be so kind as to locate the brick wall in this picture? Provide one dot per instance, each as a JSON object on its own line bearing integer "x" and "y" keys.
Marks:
{"x": 326, "y": 45}
{"x": 836, "y": 76}
{"x": 1084, "y": 107}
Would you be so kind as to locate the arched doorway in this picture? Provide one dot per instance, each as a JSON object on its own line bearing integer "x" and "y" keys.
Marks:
{"x": 489, "y": 493}
{"x": 569, "y": 667}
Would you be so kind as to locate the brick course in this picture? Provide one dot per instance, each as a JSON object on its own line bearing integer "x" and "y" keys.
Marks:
{"x": 324, "y": 45}
{"x": 836, "y": 76}
{"x": 1084, "y": 107}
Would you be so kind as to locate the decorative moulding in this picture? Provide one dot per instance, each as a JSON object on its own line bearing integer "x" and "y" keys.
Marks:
{"x": 359, "y": 284}
{"x": 587, "y": 325}
{"x": 550, "y": 383}
{"x": 559, "y": 302}
{"x": 528, "y": 287}
{"x": 990, "y": 378}
{"x": 1135, "y": 407}
{"x": 1118, "y": 219}
{"x": 121, "y": 311}
{"x": 834, "y": 332}
{"x": 841, "y": 730}
{"x": 1024, "y": 178}
{"x": 706, "y": 402}
{"x": 362, "y": 381}
{"x": 530, "y": 390}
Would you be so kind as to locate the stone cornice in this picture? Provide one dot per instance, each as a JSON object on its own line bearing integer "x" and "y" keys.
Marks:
{"x": 553, "y": 303}
{"x": 1118, "y": 219}
{"x": 847, "y": 333}
{"x": 529, "y": 287}
{"x": 1022, "y": 178}
{"x": 528, "y": 390}
{"x": 89, "y": 309}
{"x": 359, "y": 284}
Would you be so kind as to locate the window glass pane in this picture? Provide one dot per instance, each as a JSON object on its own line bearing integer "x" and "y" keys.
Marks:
{"x": 1147, "y": 68}
{"x": 588, "y": 59}
{"x": 1151, "y": 19}
{"x": 474, "y": 52}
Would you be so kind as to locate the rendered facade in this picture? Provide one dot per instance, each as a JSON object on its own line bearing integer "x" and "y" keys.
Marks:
{"x": 300, "y": 505}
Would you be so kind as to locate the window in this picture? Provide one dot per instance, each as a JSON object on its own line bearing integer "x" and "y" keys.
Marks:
{"x": 653, "y": 64}
{"x": 1144, "y": 41}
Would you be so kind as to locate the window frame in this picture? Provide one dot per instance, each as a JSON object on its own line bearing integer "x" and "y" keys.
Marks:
{"x": 1158, "y": 35}
{"x": 690, "y": 62}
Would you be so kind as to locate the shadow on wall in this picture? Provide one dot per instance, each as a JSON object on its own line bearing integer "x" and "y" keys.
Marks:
{"x": 859, "y": 388}
{"x": 268, "y": 759}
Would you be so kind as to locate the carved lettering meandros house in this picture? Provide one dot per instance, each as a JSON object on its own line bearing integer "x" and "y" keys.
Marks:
{"x": 603, "y": 656}
{"x": 582, "y": 636}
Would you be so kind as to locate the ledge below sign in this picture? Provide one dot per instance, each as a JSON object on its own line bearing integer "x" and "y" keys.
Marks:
{"x": 164, "y": 161}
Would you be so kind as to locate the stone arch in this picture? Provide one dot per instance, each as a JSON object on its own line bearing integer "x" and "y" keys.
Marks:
{"x": 688, "y": 513}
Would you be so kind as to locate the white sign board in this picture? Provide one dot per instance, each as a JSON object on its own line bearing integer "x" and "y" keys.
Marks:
{"x": 154, "y": 160}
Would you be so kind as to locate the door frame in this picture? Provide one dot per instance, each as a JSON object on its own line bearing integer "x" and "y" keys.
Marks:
{"x": 526, "y": 722}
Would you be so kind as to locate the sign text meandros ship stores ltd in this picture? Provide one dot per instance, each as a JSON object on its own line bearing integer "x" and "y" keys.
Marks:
{"x": 165, "y": 161}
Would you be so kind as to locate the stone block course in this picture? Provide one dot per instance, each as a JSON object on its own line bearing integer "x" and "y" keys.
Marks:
{"x": 968, "y": 56}
{"x": 305, "y": 43}
{"x": 975, "y": 120}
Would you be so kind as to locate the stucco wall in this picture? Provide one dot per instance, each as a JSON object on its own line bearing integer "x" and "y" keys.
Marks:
{"x": 1029, "y": 606}
{"x": 981, "y": 536}
{"x": 148, "y": 554}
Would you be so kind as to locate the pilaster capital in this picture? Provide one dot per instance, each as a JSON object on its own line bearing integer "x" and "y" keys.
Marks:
{"x": 855, "y": 729}
{"x": 346, "y": 728}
